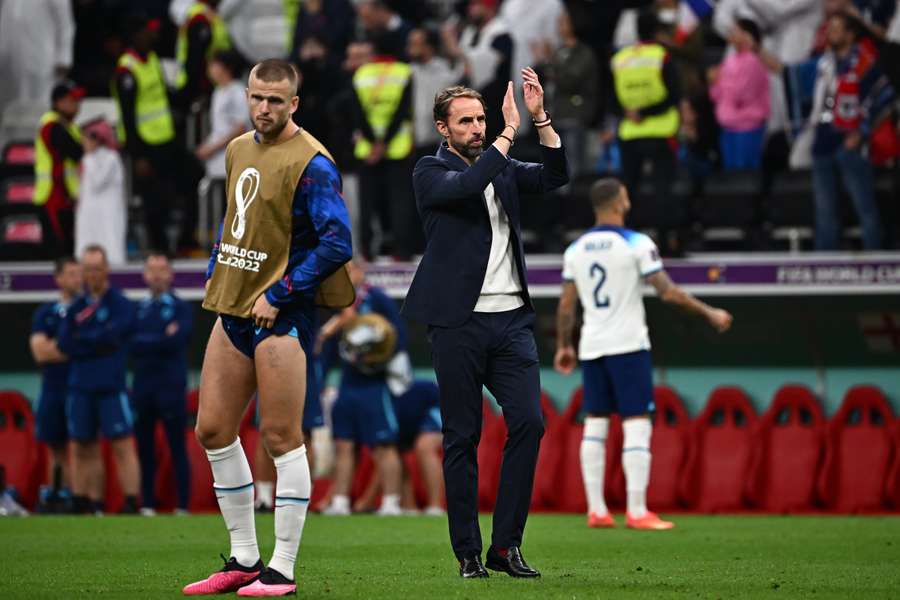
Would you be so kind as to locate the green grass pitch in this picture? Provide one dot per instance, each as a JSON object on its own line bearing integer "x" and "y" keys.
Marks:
{"x": 409, "y": 558}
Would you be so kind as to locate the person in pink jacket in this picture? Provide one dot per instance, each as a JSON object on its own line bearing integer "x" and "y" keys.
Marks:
{"x": 739, "y": 88}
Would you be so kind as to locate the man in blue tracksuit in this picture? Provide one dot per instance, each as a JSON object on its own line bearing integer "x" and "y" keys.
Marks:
{"x": 50, "y": 410}
{"x": 95, "y": 335}
{"x": 162, "y": 330}
{"x": 363, "y": 412}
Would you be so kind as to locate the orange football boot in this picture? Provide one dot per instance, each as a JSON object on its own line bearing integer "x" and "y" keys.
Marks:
{"x": 649, "y": 521}
{"x": 604, "y": 521}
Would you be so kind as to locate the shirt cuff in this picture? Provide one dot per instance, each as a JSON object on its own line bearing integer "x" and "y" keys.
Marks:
{"x": 272, "y": 299}
{"x": 558, "y": 143}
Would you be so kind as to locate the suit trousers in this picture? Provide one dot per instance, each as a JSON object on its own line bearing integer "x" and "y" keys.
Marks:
{"x": 497, "y": 351}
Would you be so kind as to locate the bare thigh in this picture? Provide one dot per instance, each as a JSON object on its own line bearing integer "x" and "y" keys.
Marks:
{"x": 281, "y": 379}
{"x": 227, "y": 382}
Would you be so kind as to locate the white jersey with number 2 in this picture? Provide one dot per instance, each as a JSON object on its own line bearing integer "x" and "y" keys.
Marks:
{"x": 607, "y": 265}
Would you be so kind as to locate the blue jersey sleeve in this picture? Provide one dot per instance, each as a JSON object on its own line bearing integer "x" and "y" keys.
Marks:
{"x": 68, "y": 340}
{"x": 39, "y": 321}
{"x": 78, "y": 338}
{"x": 386, "y": 307}
{"x": 157, "y": 342}
{"x": 214, "y": 255}
{"x": 320, "y": 192}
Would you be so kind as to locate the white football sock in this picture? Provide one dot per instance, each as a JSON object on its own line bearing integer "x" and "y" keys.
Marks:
{"x": 292, "y": 492}
{"x": 265, "y": 493}
{"x": 390, "y": 505}
{"x": 636, "y": 464}
{"x": 233, "y": 483}
{"x": 340, "y": 504}
{"x": 593, "y": 462}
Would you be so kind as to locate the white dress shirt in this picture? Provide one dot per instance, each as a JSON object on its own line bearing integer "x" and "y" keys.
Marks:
{"x": 501, "y": 290}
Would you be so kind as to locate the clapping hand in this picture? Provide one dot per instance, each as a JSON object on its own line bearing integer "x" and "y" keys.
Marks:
{"x": 534, "y": 94}
{"x": 509, "y": 109}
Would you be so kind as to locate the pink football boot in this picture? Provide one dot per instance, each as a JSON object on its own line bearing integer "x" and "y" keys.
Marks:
{"x": 232, "y": 576}
{"x": 269, "y": 583}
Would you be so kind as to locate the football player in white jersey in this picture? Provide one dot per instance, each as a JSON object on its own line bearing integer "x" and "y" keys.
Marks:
{"x": 604, "y": 270}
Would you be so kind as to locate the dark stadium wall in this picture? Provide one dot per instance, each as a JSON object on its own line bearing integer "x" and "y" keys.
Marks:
{"x": 826, "y": 342}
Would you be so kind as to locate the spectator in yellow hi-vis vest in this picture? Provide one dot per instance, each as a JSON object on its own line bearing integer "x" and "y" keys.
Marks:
{"x": 202, "y": 35}
{"x": 165, "y": 174}
{"x": 647, "y": 94}
{"x": 57, "y": 154}
{"x": 383, "y": 146}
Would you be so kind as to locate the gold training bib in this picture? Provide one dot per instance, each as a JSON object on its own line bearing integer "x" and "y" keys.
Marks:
{"x": 261, "y": 180}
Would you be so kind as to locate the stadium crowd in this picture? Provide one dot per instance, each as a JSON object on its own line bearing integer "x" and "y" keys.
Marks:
{"x": 704, "y": 108}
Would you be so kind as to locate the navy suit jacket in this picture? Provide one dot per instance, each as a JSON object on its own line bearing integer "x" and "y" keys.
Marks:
{"x": 451, "y": 203}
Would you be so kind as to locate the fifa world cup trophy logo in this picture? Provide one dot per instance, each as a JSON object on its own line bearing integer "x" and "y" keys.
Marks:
{"x": 244, "y": 194}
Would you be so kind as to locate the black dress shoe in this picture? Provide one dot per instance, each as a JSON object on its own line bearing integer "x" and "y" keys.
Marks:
{"x": 512, "y": 564}
{"x": 471, "y": 568}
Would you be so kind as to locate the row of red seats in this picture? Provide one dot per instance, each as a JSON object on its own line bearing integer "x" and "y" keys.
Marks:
{"x": 791, "y": 459}
{"x": 20, "y": 223}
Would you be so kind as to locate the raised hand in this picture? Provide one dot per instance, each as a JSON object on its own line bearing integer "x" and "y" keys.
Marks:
{"x": 510, "y": 110}
{"x": 534, "y": 94}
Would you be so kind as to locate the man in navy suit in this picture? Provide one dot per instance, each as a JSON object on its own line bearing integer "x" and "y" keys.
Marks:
{"x": 471, "y": 290}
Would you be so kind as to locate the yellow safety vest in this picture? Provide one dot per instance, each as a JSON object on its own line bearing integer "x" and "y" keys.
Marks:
{"x": 44, "y": 163}
{"x": 151, "y": 111}
{"x": 220, "y": 40}
{"x": 379, "y": 86}
{"x": 638, "y": 74}
{"x": 291, "y": 11}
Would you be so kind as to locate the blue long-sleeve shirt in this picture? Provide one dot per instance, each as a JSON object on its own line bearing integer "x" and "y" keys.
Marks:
{"x": 371, "y": 299}
{"x": 47, "y": 319}
{"x": 159, "y": 358}
{"x": 95, "y": 335}
{"x": 320, "y": 239}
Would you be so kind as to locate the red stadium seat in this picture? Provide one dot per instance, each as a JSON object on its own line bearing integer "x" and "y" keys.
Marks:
{"x": 790, "y": 446}
{"x": 22, "y": 229}
{"x": 893, "y": 483}
{"x": 363, "y": 474}
{"x": 18, "y": 190}
{"x": 411, "y": 467}
{"x": 720, "y": 453}
{"x": 192, "y": 400}
{"x": 18, "y": 153}
{"x": 565, "y": 491}
{"x": 18, "y": 447}
{"x": 113, "y": 497}
{"x": 203, "y": 497}
{"x": 490, "y": 454}
{"x": 859, "y": 453}
{"x": 164, "y": 486}
{"x": 544, "y": 470}
{"x": 669, "y": 446}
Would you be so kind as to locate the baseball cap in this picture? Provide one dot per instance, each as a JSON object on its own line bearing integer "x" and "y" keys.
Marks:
{"x": 67, "y": 88}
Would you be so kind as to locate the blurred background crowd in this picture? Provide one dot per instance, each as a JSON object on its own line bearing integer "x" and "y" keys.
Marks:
{"x": 738, "y": 124}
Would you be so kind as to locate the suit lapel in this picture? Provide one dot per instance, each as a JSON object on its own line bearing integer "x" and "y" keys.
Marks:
{"x": 458, "y": 164}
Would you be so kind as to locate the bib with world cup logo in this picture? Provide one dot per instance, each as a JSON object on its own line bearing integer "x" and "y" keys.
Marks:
{"x": 261, "y": 181}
